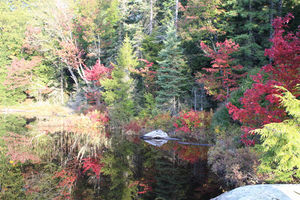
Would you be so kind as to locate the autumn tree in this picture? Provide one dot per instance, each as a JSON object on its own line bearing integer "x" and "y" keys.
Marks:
{"x": 223, "y": 76}
{"x": 13, "y": 20}
{"x": 260, "y": 105}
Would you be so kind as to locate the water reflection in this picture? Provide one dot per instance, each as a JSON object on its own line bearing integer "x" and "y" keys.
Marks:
{"x": 174, "y": 169}
{"x": 141, "y": 170}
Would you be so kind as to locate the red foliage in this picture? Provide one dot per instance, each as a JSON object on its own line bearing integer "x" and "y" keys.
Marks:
{"x": 94, "y": 164}
{"x": 17, "y": 146}
{"x": 97, "y": 73}
{"x": 68, "y": 177}
{"x": 260, "y": 106}
{"x": 190, "y": 121}
{"x": 133, "y": 126}
{"x": 143, "y": 186}
{"x": 20, "y": 73}
{"x": 221, "y": 78}
{"x": 189, "y": 153}
{"x": 192, "y": 153}
{"x": 96, "y": 116}
{"x": 148, "y": 74}
{"x": 70, "y": 54}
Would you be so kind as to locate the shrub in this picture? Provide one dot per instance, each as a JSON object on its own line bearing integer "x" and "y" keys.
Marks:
{"x": 235, "y": 167}
{"x": 192, "y": 121}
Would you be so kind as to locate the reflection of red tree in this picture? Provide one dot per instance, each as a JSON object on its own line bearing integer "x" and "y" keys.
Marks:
{"x": 94, "y": 164}
{"x": 68, "y": 177}
{"x": 18, "y": 146}
{"x": 190, "y": 153}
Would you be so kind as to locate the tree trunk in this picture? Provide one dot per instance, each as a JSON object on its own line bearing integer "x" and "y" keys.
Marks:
{"x": 250, "y": 18}
{"x": 176, "y": 14}
{"x": 74, "y": 78}
{"x": 195, "y": 98}
{"x": 62, "y": 85}
{"x": 271, "y": 17}
{"x": 280, "y": 8}
{"x": 151, "y": 18}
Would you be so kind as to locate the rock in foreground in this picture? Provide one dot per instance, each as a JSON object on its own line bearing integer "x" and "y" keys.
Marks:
{"x": 263, "y": 192}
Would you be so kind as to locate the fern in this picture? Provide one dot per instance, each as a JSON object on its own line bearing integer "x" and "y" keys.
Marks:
{"x": 280, "y": 149}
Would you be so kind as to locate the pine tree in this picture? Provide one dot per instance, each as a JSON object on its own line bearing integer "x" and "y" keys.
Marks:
{"x": 249, "y": 24}
{"x": 118, "y": 88}
{"x": 170, "y": 76}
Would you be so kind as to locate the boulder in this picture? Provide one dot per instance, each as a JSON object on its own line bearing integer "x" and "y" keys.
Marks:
{"x": 263, "y": 192}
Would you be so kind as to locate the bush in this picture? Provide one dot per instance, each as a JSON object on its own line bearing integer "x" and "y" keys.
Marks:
{"x": 235, "y": 167}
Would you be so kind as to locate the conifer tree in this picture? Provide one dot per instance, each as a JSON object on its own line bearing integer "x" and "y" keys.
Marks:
{"x": 249, "y": 25}
{"x": 280, "y": 142}
{"x": 119, "y": 87}
{"x": 170, "y": 75}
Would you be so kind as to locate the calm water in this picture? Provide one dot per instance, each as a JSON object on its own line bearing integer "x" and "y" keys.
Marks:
{"x": 136, "y": 169}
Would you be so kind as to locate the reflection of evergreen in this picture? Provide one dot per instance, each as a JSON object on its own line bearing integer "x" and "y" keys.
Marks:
{"x": 172, "y": 181}
{"x": 117, "y": 167}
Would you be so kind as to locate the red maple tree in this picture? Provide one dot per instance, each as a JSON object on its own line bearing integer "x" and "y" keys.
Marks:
{"x": 222, "y": 77}
{"x": 260, "y": 106}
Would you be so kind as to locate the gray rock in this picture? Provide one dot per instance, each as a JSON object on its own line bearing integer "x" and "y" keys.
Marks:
{"x": 263, "y": 192}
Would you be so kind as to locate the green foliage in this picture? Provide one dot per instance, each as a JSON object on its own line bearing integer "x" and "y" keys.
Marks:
{"x": 13, "y": 21}
{"x": 171, "y": 183}
{"x": 118, "y": 88}
{"x": 171, "y": 78}
{"x": 280, "y": 152}
{"x": 11, "y": 179}
{"x": 117, "y": 167}
{"x": 151, "y": 48}
{"x": 248, "y": 24}
{"x": 149, "y": 109}
{"x": 221, "y": 118}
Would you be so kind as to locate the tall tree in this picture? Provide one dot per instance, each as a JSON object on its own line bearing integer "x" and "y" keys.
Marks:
{"x": 171, "y": 78}
{"x": 223, "y": 76}
{"x": 118, "y": 89}
{"x": 249, "y": 24}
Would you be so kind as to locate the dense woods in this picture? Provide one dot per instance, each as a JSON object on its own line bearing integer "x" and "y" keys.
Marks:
{"x": 81, "y": 80}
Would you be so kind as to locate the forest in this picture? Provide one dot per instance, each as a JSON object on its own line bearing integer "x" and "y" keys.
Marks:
{"x": 82, "y": 80}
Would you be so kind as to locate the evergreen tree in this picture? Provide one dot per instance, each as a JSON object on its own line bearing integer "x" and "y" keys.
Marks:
{"x": 118, "y": 166}
{"x": 280, "y": 152}
{"x": 118, "y": 89}
{"x": 171, "y": 78}
{"x": 249, "y": 25}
